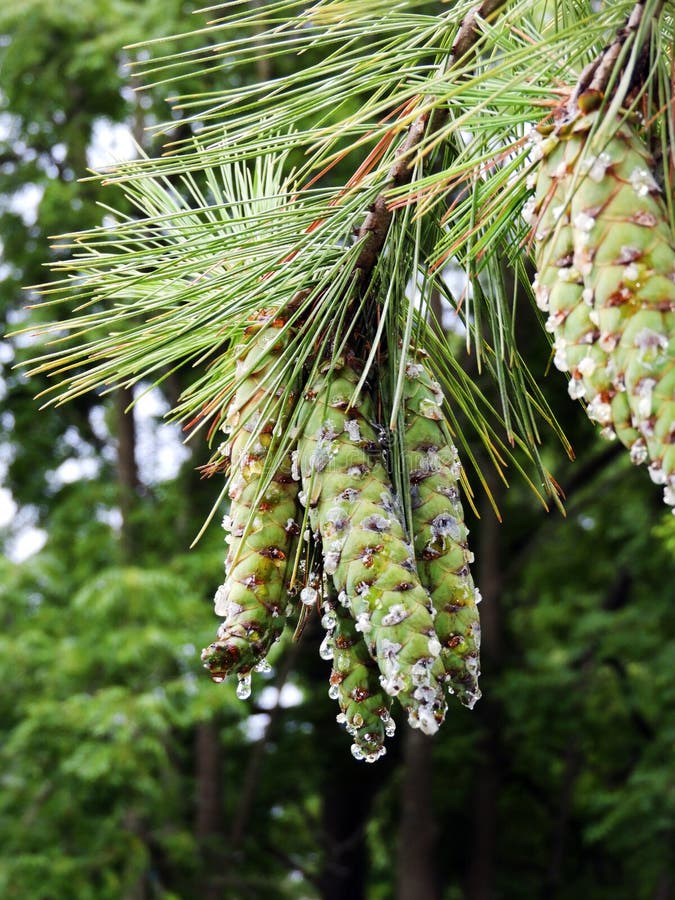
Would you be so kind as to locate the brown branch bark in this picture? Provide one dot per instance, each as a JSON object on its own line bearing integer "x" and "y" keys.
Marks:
{"x": 598, "y": 73}
{"x": 376, "y": 224}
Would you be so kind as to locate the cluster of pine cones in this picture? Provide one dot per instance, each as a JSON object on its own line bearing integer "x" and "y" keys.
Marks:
{"x": 400, "y": 615}
{"x": 399, "y": 604}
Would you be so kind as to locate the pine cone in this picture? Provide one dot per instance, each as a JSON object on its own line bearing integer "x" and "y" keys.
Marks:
{"x": 606, "y": 276}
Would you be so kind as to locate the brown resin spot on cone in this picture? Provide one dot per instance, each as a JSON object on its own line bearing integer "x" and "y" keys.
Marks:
{"x": 342, "y": 642}
{"x": 272, "y": 553}
{"x": 359, "y": 694}
{"x": 368, "y": 555}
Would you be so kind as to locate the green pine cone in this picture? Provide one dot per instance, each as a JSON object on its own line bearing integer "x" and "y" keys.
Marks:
{"x": 603, "y": 240}
{"x": 365, "y": 549}
{"x": 262, "y": 525}
{"x": 365, "y": 709}
{"x": 440, "y": 534}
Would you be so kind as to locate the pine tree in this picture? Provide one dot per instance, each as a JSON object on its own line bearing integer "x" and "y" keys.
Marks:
{"x": 455, "y": 126}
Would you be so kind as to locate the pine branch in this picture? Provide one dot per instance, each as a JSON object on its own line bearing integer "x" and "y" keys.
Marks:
{"x": 378, "y": 220}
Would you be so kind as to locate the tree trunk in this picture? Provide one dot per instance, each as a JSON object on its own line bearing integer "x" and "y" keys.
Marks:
{"x": 256, "y": 757}
{"x": 664, "y": 887}
{"x": 348, "y": 790}
{"x": 481, "y": 874}
{"x": 127, "y": 469}
{"x": 573, "y": 766}
{"x": 345, "y": 813}
{"x": 416, "y": 876}
{"x": 209, "y": 803}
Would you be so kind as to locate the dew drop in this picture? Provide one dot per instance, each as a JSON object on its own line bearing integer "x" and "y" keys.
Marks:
{"x": 329, "y": 621}
{"x": 560, "y": 358}
{"x": 649, "y": 343}
{"x": 542, "y": 296}
{"x": 656, "y": 473}
{"x": 327, "y": 648}
{"x": 420, "y": 673}
{"x": 445, "y": 525}
{"x": 331, "y": 561}
{"x": 576, "y": 388}
{"x": 375, "y": 755}
{"x": 344, "y": 600}
{"x": 295, "y": 465}
{"x": 220, "y": 600}
{"x": 388, "y": 653}
{"x": 426, "y": 720}
{"x": 472, "y": 666}
{"x": 471, "y": 698}
{"x": 434, "y": 646}
{"x": 244, "y": 686}
{"x": 393, "y": 684}
{"x": 645, "y": 393}
{"x": 308, "y": 596}
{"x": 570, "y": 275}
